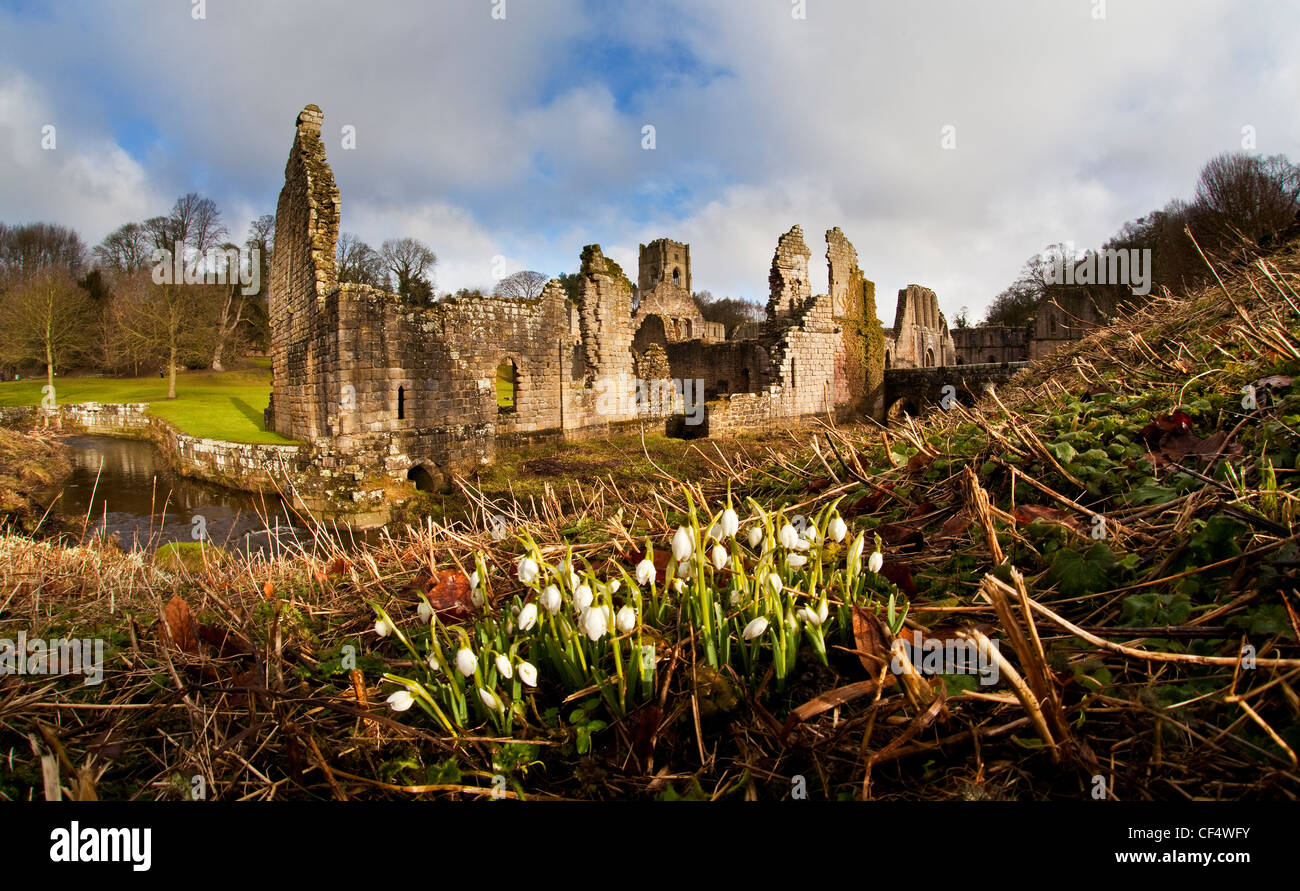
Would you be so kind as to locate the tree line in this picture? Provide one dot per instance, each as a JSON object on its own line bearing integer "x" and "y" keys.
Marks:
{"x": 1242, "y": 202}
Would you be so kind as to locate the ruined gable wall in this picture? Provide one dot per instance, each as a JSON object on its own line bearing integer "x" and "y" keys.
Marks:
{"x": 788, "y": 279}
{"x": 860, "y": 351}
{"x": 302, "y": 274}
{"x": 920, "y": 326}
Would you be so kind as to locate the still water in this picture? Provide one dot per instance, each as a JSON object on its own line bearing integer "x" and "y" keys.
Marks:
{"x": 120, "y": 487}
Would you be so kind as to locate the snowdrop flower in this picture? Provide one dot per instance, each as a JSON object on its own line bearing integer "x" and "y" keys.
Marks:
{"x": 489, "y": 698}
{"x": 682, "y": 544}
{"x": 729, "y": 523}
{"x": 573, "y": 579}
{"x": 720, "y": 556}
{"x": 474, "y": 580}
{"x": 678, "y": 585}
{"x": 788, "y": 537}
{"x": 582, "y": 597}
{"x": 433, "y": 663}
{"x": 401, "y": 701}
{"x": 383, "y": 627}
{"x": 593, "y": 624}
{"x": 614, "y": 585}
{"x": 809, "y": 615}
{"x": 466, "y": 661}
{"x": 424, "y": 611}
{"x": 528, "y": 616}
{"x": 735, "y": 598}
{"x": 551, "y": 600}
{"x": 823, "y": 610}
{"x": 528, "y": 673}
{"x": 876, "y": 561}
{"x": 774, "y": 582}
{"x": 796, "y": 560}
{"x": 809, "y": 533}
{"x": 838, "y": 529}
{"x": 527, "y": 570}
{"x": 715, "y": 532}
{"x": 503, "y": 666}
{"x": 645, "y": 573}
{"x": 626, "y": 619}
{"x": 683, "y": 570}
{"x": 755, "y": 536}
{"x": 755, "y": 628}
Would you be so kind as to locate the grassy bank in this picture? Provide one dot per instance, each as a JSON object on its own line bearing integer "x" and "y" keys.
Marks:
{"x": 219, "y": 405}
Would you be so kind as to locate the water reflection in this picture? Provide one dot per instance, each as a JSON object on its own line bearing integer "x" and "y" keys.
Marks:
{"x": 120, "y": 487}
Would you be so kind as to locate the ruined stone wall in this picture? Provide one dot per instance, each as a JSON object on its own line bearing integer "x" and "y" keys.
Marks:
{"x": 991, "y": 343}
{"x": 743, "y": 366}
{"x": 302, "y": 274}
{"x": 859, "y": 353}
{"x": 788, "y": 279}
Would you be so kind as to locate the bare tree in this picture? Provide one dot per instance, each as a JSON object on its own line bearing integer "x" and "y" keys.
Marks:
{"x": 358, "y": 262}
{"x": 409, "y": 262}
{"x": 45, "y": 318}
{"x": 125, "y": 249}
{"x": 194, "y": 222}
{"x": 1246, "y": 196}
{"x": 34, "y": 246}
{"x": 526, "y": 284}
{"x": 230, "y": 302}
{"x": 160, "y": 321}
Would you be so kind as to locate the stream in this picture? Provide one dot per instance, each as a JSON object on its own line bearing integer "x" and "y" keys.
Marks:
{"x": 122, "y": 488}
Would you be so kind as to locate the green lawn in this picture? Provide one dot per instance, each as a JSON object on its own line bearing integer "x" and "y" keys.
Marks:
{"x": 219, "y": 405}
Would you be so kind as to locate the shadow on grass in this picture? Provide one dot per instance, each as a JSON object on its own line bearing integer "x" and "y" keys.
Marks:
{"x": 257, "y": 416}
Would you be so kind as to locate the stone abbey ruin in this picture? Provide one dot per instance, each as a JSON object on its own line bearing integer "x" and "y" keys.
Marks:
{"x": 378, "y": 387}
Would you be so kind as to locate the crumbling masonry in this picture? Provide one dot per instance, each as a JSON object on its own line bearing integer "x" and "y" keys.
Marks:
{"x": 379, "y": 389}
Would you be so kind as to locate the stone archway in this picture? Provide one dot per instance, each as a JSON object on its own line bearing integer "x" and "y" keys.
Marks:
{"x": 900, "y": 409}
{"x": 429, "y": 477}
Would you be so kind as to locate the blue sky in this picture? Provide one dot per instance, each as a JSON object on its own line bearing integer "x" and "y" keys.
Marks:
{"x": 522, "y": 137}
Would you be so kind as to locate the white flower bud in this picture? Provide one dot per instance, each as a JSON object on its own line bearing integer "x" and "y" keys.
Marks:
{"x": 528, "y": 616}
{"x": 466, "y": 661}
{"x": 682, "y": 544}
{"x": 401, "y": 701}
{"x": 626, "y": 619}
{"x": 503, "y": 666}
{"x": 551, "y": 599}
{"x": 755, "y": 628}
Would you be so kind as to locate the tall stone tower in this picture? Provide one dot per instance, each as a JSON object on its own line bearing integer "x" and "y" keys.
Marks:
{"x": 302, "y": 275}
{"x": 664, "y": 260}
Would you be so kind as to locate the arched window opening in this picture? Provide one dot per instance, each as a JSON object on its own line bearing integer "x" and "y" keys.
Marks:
{"x": 507, "y": 382}
{"x": 929, "y": 358}
{"x": 677, "y": 276}
{"x": 401, "y": 403}
{"x": 886, "y": 358}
